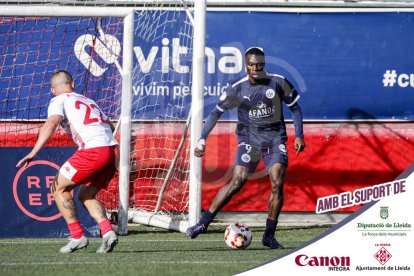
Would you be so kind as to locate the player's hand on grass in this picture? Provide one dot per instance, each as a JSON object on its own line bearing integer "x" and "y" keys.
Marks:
{"x": 299, "y": 145}
{"x": 200, "y": 148}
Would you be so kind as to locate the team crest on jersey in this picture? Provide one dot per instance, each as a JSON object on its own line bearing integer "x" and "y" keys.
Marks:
{"x": 223, "y": 96}
{"x": 282, "y": 148}
{"x": 270, "y": 93}
{"x": 245, "y": 158}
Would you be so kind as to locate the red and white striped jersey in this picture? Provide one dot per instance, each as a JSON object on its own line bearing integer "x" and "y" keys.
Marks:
{"x": 83, "y": 120}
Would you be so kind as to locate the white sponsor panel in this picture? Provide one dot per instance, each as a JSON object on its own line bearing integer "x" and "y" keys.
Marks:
{"x": 377, "y": 241}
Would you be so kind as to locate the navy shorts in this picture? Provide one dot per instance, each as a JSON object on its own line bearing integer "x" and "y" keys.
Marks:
{"x": 249, "y": 156}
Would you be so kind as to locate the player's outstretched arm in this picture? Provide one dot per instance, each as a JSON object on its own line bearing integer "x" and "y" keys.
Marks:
{"x": 297, "y": 117}
{"x": 45, "y": 133}
{"x": 210, "y": 123}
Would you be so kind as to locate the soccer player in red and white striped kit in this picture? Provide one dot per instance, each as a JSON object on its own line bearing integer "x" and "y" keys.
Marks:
{"x": 91, "y": 167}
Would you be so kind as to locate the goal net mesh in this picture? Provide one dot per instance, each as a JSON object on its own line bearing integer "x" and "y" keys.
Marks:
{"x": 160, "y": 108}
{"x": 32, "y": 48}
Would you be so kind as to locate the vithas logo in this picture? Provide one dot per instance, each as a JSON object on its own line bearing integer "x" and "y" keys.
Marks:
{"x": 169, "y": 56}
{"x": 107, "y": 48}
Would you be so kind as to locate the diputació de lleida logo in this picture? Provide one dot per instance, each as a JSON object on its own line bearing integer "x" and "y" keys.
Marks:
{"x": 384, "y": 212}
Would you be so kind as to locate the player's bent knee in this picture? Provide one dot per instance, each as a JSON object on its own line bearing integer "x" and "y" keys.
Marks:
{"x": 240, "y": 179}
{"x": 277, "y": 190}
{"x": 237, "y": 183}
{"x": 240, "y": 174}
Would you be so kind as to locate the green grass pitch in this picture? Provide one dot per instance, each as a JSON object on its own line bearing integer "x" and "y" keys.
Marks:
{"x": 148, "y": 251}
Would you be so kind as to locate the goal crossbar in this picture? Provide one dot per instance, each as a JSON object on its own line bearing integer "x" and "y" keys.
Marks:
{"x": 64, "y": 11}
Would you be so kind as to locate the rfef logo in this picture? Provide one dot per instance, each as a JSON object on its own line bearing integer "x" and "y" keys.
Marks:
{"x": 31, "y": 190}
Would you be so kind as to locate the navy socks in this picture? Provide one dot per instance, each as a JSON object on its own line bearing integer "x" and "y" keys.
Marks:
{"x": 270, "y": 227}
{"x": 207, "y": 218}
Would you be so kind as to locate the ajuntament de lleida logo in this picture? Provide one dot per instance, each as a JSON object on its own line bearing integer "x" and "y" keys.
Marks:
{"x": 384, "y": 212}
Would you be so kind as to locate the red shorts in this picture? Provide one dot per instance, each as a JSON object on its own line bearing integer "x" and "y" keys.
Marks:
{"x": 94, "y": 166}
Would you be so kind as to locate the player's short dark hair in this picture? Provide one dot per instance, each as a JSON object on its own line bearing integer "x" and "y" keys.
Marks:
{"x": 254, "y": 51}
{"x": 68, "y": 75}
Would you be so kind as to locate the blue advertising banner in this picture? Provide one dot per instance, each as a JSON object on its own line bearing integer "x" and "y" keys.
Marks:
{"x": 342, "y": 64}
{"x": 34, "y": 47}
{"x": 346, "y": 66}
{"x": 26, "y": 200}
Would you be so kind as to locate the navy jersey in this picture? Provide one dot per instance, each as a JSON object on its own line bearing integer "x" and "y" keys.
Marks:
{"x": 259, "y": 108}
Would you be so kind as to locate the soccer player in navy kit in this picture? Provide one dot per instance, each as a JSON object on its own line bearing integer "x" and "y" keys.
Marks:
{"x": 261, "y": 134}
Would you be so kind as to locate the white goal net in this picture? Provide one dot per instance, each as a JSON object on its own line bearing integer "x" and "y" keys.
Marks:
{"x": 160, "y": 145}
{"x": 141, "y": 75}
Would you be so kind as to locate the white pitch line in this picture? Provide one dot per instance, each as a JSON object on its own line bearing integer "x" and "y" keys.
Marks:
{"x": 186, "y": 240}
{"x": 135, "y": 262}
{"x": 98, "y": 240}
{"x": 30, "y": 242}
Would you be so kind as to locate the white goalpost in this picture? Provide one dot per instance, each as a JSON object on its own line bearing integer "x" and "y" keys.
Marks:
{"x": 172, "y": 180}
{"x": 144, "y": 65}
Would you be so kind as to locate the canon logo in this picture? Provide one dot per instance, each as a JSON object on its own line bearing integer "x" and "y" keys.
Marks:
{"x": 304, "y": 260}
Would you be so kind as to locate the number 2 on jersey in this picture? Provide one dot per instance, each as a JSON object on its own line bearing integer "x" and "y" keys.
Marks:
{"x": 89, "y": 118}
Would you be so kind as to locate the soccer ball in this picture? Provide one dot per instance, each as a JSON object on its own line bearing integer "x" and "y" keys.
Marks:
{"x": 238, "y": 236}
